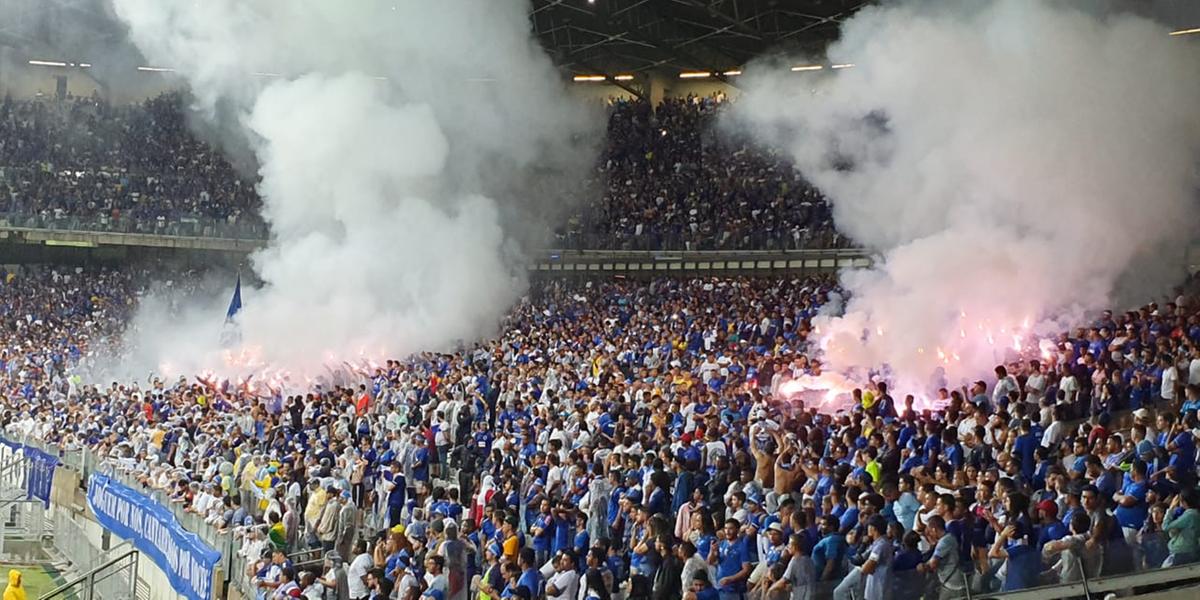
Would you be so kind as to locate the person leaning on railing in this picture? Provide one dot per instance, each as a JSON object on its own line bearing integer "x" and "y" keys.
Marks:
{"x": 1182, "y": 524}
{"x": 1071, "y": 558}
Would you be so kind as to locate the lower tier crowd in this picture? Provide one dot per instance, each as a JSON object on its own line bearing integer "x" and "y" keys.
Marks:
{"x": 633, "y": 439}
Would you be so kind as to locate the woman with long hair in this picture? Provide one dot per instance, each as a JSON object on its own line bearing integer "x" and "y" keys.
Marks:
{"x": 595, "y": 588}
{"x": 703, "y": 533}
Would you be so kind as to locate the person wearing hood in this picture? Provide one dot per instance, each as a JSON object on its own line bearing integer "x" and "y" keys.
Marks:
{"x": 15, "y": 590}
{"x": 347, "y": 524}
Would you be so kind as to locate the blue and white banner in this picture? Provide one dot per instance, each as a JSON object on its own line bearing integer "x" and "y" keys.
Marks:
{"x": 39, "y": 470}
{"x": 185, "y": 558}
{"x": 39, "y": 477}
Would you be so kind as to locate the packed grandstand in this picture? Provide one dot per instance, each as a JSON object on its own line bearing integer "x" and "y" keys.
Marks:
{"x": 649, "y": 435}
{"x": 635, "y": 438}
{"x": 664, "y": 181}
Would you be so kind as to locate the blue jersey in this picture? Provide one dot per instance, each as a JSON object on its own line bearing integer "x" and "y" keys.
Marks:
{"x": 731, "y": 557}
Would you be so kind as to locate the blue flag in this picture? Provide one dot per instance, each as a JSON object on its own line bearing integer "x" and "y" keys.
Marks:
{"x": 235, "y": 303}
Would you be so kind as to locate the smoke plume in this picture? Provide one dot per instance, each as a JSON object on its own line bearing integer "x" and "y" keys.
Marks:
{"x": 1010, "y": 163}
{"x": 380, "y": 128}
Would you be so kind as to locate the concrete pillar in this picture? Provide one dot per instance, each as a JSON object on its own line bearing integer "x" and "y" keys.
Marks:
{"x": 656, "y": 88}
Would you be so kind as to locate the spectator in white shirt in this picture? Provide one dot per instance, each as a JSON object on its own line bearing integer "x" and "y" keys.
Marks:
{"x": 1170, "y": 377}
{"x": 1035, "y": 382}
{"x": 357, "y": 573}
{"x": 563, "y": 584}
{"x": 1005, "y": 383}
{"x": 1054, "y": 432}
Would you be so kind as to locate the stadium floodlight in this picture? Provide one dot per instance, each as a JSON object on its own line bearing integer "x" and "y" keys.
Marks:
{"x": 694, "y": 75}
{"x": 732, "y": 73}
{"x": 842, "y": 66}
{"x": 588, "y": 78}
{"x": 1186, "y": 31}
{"x": 624, "y": 78}
{"x": 156, "y": 69}
{"x": 47, "y": 63}
{"x": 807, "y": 68}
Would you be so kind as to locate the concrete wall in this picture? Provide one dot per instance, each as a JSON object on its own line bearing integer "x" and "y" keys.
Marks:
{"x": 697, "y": 87}
{"x": 26, "y": 81}
{"x": 22, "y": 80}
{"x": 1181, "y": 593}
{"x": 597, "y": 91}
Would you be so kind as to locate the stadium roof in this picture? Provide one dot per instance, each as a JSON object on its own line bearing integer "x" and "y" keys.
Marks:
{"x": 630, "y": 36}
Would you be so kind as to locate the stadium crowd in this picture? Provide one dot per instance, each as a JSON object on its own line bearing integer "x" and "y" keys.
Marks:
{"x": 135, "y": 167}
{"x": 671, "y": 180}
{"x": 666, "y": 180}
{"x": 636, "y": 439}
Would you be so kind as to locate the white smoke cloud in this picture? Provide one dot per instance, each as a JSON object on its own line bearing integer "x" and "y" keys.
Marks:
{"x": 1009, "y": 161}
{"x": 380, "y": 128}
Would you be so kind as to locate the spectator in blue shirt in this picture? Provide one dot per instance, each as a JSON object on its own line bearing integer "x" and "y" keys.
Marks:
{"x": 732, "y": 562}
{"x": 829, "y": 553}
{"x": 530, "y": 577}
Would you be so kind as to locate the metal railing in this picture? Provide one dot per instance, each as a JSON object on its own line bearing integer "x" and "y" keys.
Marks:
{"x": 220, "y": 540}
{"x": 1096, "y": 587}
{"x": 114, "y": 579}
{"x": 192, "y": 226}
{"x": 22, "y": 521}
{"x": 250, "y": 228}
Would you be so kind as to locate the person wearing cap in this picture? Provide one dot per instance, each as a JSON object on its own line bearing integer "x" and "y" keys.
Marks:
{"x": 771, "y": 552}
{"x": 335, "y": 577}
{"x": 408, "y": 585}
{"x": 1071, "y": 557}
{"x": 491, "y": 583}
{"x": 1050, "y": 528}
